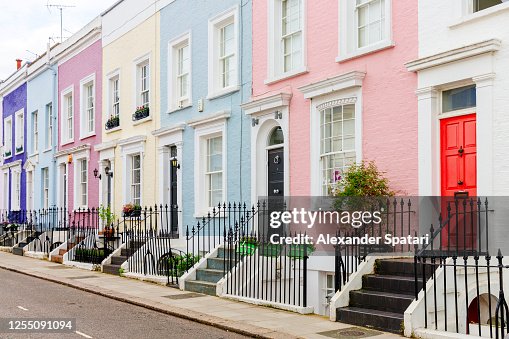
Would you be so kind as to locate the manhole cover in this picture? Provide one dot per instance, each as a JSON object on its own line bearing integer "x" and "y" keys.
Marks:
{"x": 353, "y": 333}
{"x": 350, "y": 333}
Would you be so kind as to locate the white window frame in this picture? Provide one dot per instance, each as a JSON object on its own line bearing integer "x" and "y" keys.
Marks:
{"x": 130, "y": 182}
{"x": 468, "y": 7}
{"x": 16, "y": 188}
{"x": 65, "y": 138}
{"x": 139, "y": 63}
{"x": 275, "y": 43}
{"x": 215, "y": 87}
{"x": 110, "y": 79}
{"x": 8, "y": 137}
{"x": 202, "y": 134}
{"x": 345, "y": 96}
{"x": 19, "y": 131}
{"x": 35, "y": 132}
{"x": 49, "y": 126}
{"x": 78, "y": 190}
{"x": 348, "y": 31}
{"x": 85, "y": 132}
{"x": 174, "y": 102}
{"x": 45, "y": 187}
{"x": 6, "y": 189}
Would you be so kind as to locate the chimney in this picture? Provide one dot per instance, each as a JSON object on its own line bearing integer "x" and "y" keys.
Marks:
{"x": 18, "y": 63}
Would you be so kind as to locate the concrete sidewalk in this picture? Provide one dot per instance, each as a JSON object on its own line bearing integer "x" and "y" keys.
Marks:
{"x": 234, "y": 316}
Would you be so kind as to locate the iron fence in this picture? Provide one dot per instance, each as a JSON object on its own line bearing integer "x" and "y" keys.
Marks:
{"x": 397, "y": 220}
{"x": 467, "y": 294}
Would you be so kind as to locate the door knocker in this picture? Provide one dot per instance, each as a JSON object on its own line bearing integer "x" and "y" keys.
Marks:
{"x": 276, "y": 159}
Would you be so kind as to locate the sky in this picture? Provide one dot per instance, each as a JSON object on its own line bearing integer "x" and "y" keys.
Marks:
{"x": 28, "y": 25}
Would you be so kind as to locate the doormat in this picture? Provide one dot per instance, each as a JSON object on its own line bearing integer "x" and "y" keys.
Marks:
{"x": 350, "y": 333}
{"x": 184, "y": 296}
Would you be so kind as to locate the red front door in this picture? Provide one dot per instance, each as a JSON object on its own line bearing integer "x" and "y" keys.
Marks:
{"x": 458, "y": 158}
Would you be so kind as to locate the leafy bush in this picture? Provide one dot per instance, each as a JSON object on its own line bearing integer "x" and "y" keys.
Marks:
{"x": 182, "y": 263}
{"x": 360, "y": 187}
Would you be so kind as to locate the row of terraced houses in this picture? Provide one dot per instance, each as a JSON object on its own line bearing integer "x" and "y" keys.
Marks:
{"x": 190, "y": 104}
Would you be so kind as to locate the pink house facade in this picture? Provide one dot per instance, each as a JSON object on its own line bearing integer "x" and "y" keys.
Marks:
{"x": 79, "y": 119}
{"x": 330, "y": 87}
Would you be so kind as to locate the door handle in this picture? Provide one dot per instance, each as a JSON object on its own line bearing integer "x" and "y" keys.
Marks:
{"x": 461, "y": 151}
{"x": 276, "y": 191}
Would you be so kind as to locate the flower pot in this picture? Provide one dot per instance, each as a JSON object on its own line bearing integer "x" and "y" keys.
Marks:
{"x": 297, "y": 251}
{"x": 271, "y": 250}
{"x": 247, "y": 248}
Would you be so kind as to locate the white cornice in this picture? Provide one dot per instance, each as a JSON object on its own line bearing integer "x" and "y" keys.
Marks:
{"x": 72, "y": 150}
{"x": 208, "y": 119}
{"x": 105, "y": 146}
{"x": 132, "y": 140}
{"x": 334, "y": 84}
{"x": 169, "y": 130}
{"x": 12, "y": 164}
{"x": 488, "y": 46}
{"x": 267, "y": 103}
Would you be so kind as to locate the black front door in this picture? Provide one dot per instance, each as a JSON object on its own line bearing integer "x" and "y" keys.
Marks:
{"x": 276, "y": 173}
{"x": 276, "y": 191}
{"x": 173, "y": 193}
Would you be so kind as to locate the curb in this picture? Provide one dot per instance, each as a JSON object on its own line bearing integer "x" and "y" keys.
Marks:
{"x": 252, "y": 331}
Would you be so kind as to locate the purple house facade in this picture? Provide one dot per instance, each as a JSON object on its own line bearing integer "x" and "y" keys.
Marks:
{"x": 14, "y": 117}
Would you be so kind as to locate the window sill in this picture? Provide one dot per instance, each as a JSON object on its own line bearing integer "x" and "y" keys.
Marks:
{"x": 223, "y": 92}
{"x": 479, "y": 15}
{"x": 10, "y": 156}
{"x": 68, "y": 142}
{"x": 287, "y": 75}
{"x": 366, "y": 50}
{"x": 111, "y": 130}
{"x": 47, "y": 150}
{"x": 19, "y": 153}
{"x": 33, "y": 154}
{"x": 198, "y": 215}
{"x": 87, "y": 136}
{"x": 141, "y": 121}
{"x": 177, "y": 109}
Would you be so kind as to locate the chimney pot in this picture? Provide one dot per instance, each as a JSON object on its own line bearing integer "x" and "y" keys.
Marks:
{"x": 18, "y": 63}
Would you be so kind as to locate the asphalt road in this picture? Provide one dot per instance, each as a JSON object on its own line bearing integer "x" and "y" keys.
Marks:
{"x": 23, "y": 296}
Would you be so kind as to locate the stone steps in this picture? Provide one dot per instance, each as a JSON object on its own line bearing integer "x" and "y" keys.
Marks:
{"x": 384, "y": 297}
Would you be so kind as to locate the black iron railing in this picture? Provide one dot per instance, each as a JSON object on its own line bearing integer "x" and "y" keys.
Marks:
{"x": 397, "y": 220}
{"x": 467, "y": 294}
{"x": 212, "y": 230}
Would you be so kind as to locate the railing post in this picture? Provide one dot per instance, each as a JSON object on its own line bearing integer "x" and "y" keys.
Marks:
{"x": 305, "y": 278}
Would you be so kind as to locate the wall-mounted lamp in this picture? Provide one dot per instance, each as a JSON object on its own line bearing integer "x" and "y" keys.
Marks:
{"x": 278, "y": 115}
{"x": 95, "y": 174}
{"x": 69, "y": 159}
{"x": 254, "y": 122}
{"x": 175, "y": 163}
{"x": 107, "y": 172}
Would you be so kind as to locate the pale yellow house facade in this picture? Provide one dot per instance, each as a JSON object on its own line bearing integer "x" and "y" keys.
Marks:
{"x": 130, "y": 80}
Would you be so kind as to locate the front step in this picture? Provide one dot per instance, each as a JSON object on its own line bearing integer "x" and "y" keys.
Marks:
{"x": 381, "y": 320}
{"x": 201, "y": 287}
{"x": 112, "y": 269}
{"x": 207, "y": 278}
{"x": 384, "y": 297}
{"x": 18, "y": 250}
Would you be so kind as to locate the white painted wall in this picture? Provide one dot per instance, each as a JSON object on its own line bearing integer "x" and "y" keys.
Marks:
{"x": 448, "y": 25}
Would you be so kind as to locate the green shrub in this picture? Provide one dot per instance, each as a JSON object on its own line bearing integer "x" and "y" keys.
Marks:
{"x": 182, "y": 263}
{"x": 361, "y": 187}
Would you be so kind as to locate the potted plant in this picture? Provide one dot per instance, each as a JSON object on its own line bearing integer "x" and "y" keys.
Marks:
{"x": 141, "y": 113}
{"x": 107, "y": 217}
{"x": 8, "y": 154}
{"x": 271, "y": 250}
{"x": 19, "y": 149}
{"x": 248, "y": 245}
{"x": 127, "y": 209}
{"x": 300, "y": 250}
{"x": 112, "y": 122}
{"x": 136, "y": 210}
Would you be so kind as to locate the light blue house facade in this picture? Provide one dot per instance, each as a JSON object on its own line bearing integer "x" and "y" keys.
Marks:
{"x": 205, "y": 77}
{"x": 42, "y": 134}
